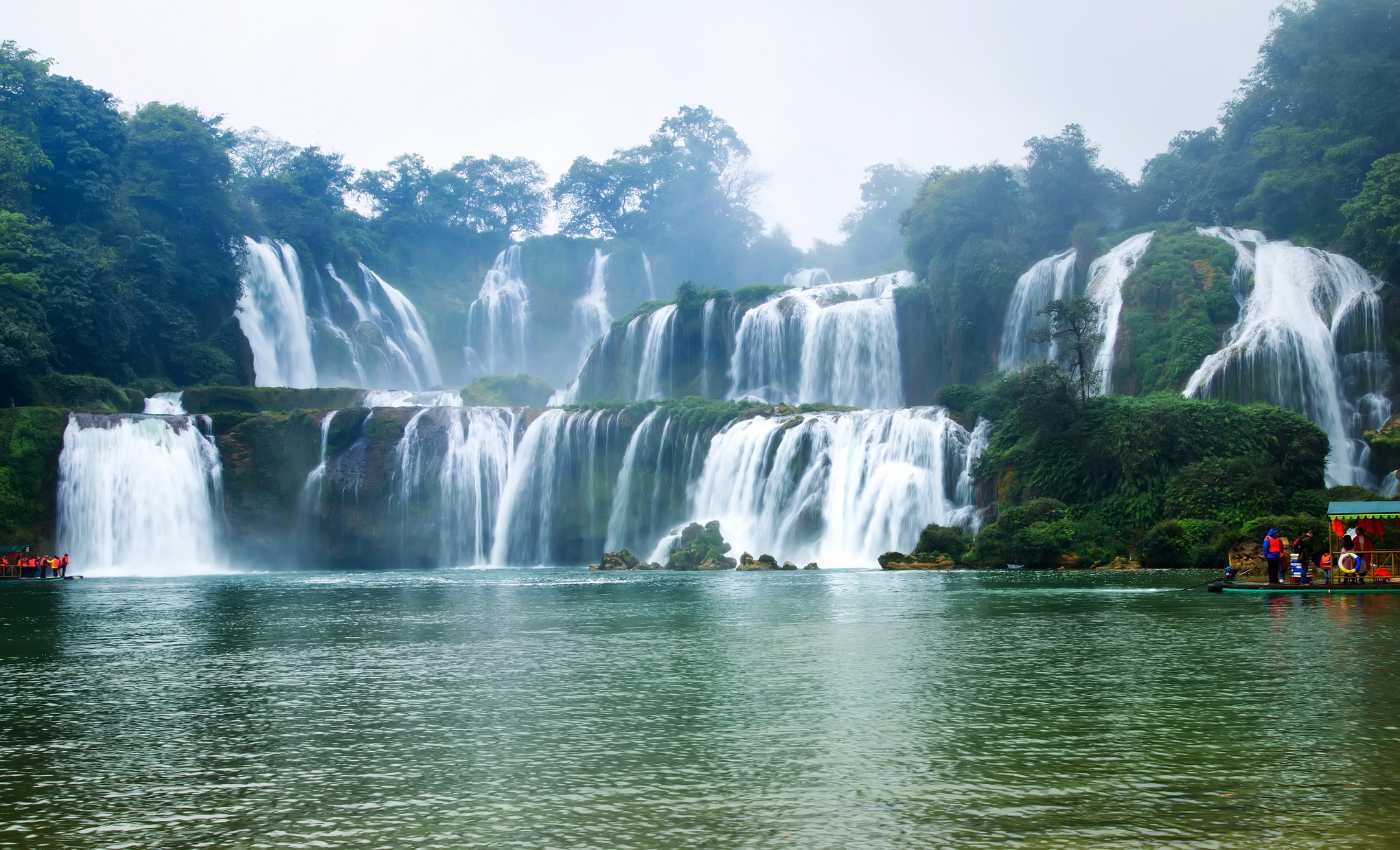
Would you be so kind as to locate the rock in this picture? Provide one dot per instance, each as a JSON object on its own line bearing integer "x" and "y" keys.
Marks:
{"x": 1121, "y": 564}
{"x": 789, "y": 565}
{"x": 621, "y": 560}
{"x": 720, "y": 563}
{"x": 746, "y": 560}
{"x": 901, "y": 561}
{"x": 770, "y": 562}
{"x": 811, "y": 566}
{"x": 697, "y": 545}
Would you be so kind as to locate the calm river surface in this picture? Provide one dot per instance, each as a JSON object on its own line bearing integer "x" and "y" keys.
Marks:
{"x": 558, "y": 708}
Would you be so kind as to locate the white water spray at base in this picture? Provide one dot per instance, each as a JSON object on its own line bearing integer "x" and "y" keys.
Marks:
{"x": 140, "y": 495}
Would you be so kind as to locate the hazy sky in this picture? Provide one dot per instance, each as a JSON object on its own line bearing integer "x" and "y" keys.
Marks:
{"x": 818, "y": 90}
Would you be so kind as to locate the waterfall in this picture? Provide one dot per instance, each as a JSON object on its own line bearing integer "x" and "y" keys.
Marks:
{"x": 373, "y": 337}
{"x": 806, "y": 278}
{"x": 656, "y": 355}
{"x": 561, "y": 475}
{"x": 165, "y": 404}
{"x": 1106, "y": 276}
{"x": 1052, "y": 279}
{"x": 140, "y": 495}
{"x": 834, "y": 343}
{"x": 496, "y": 320}
{"x": 839, "y": 488}
{"x": 659, "y": 466}
{"x": 591, "y": 316}
{"x": 1308, "y": 338}
{"x": 452, "y": 470}
{"x": 707, "y": 319}
{"x": 314, "y": 487}
{"x": 409, "y": 398}
{"x": 271, "y": 311}
{"x": 651, "y": 281}
{"x": 404, "y": 330}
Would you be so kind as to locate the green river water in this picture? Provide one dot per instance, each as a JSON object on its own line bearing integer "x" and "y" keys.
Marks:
{"x": 558, "y": 708}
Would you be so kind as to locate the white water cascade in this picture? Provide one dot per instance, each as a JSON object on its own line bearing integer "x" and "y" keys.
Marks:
{"x": 165, "y": 404}
{"x": 651, "y": 281}
{"x": 560, "y": 467}
{"x": 806, "y": 278}
{"x": 497, "y": 319}
{"x": 409, "y": 398}
{"x": 651, "y": 348}
{"x": 314, "y": 488}
{"x": 1052, "y": 279}
{"x": 1309, "y": 339}
{"x": 373, "y": 336}
{"x": 453, "y": 466}
{"x": 835, "y": 343}
{"x": 838, "y": 488}
{"x": 140, "y": 495}
{"x": 707, "y": 341}
{"x": 591, "y": 316}
{"x": 272, "y": 313}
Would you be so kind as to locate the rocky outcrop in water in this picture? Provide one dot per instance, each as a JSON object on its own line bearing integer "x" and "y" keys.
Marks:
{"x": 622, "y": 560}
{"x": 700, "y": 548}
{"x": 900, "y": 561}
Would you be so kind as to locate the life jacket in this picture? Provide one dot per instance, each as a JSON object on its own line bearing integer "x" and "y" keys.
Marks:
{"x": 1275, "y": 546}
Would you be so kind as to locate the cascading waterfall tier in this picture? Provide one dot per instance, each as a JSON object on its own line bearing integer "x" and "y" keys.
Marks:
{"x": 307, "y": 334}
{"x": 839, "y": 488}
{"x": 165, "y": 404}
{"x": 497, "y": 319}
{"x": 140, "y": 495}
{"x": 591, "y": 317}
{"x": 806, "y": 278}
{"x": 409, "y": 398}
{"x": 272, "y": 313}
{"x": 453, "y": 465}
{"x": 1309, "y": 338}
{"x": 833, "y": 343}
{"x": 1052, "y": 279}
{"x": 551, "y": 511}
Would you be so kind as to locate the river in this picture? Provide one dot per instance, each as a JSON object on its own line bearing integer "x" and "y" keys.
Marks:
{"x": 559, "y": 708}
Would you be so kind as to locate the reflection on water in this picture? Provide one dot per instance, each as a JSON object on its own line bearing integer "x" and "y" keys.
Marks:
{"x": 556, "y": 708}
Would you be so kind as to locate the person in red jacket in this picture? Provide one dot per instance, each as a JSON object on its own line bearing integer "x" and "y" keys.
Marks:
{"x": 1273, "y": 554}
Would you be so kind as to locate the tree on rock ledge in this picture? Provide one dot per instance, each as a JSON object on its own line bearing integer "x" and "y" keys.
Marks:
{"x": 699, "y": 545}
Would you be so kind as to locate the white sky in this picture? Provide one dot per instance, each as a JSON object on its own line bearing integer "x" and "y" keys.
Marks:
{"x": 818, "y": 89}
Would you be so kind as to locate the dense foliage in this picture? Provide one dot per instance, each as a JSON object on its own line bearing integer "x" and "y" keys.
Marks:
{"x": 1307, "y": 151}
{"x": 117, "y": 250}
{"x": 1084, "y": 480}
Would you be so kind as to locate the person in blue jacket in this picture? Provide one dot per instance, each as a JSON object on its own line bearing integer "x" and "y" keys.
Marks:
{"x": 1273, "y": 554}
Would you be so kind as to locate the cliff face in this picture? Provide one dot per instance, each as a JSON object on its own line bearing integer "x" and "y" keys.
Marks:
{"x": 31, "y": 439}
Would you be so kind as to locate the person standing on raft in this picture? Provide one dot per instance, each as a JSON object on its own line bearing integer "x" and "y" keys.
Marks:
{"x": 1273, "y": 552}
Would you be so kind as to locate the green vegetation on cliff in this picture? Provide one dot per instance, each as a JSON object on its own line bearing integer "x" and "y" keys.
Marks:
{"x": 1082, "y": 482}
{"x": 31, "y": 439}
{"x": 1177, "y": 305}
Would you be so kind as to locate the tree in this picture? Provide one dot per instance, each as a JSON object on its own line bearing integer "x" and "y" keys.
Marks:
{"x": 874, "y": 241}
{"x": 688, "y": 191}
{"x": 1065, "y": 185}
{"x": 500, "y": 195}
{"x": 258, "y": 155}
{"x": 955, "y": 206}
{"x": 1373, "y": 219}
{"x": 178, "y": 178}
{"x": 1074, "y": 331}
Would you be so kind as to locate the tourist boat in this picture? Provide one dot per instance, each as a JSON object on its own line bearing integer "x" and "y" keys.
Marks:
{"x": 11, "y": 569}
{"x": 1381, "y": 575}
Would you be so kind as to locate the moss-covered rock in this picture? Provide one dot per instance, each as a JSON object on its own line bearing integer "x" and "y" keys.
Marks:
{"x": 78, "y": 393}
{"x": 508, "y": 391}
{"x": 31, "y": 439}
{"x": 698, "y": 545}
{"x": 901, "y": 561}
{"x": 268, "y": 399}
{"x": 1385, "y": 444}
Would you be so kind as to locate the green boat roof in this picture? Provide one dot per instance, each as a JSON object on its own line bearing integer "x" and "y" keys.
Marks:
{"x": 1363, "y": 510}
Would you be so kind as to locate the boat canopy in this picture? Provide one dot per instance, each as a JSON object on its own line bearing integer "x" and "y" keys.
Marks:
{"x": 1363, "y": 510}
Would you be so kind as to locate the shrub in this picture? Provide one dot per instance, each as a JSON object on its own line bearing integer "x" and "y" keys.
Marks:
{"x": 942, "y": 540}
{"x": 697, "y": 545}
